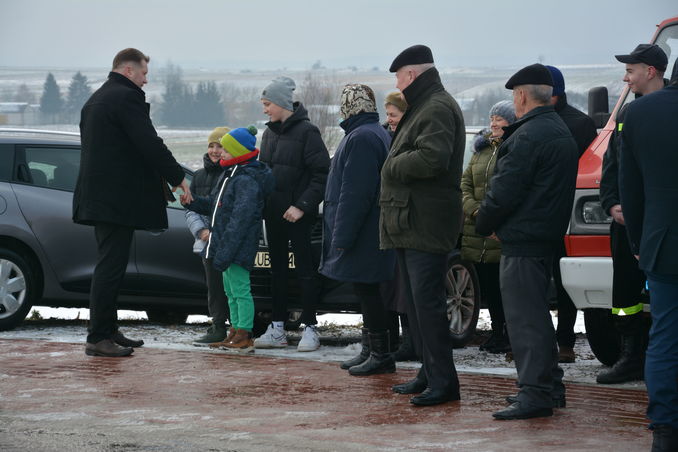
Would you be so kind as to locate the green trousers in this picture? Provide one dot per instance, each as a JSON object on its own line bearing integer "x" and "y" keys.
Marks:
{"x": 240, "y": 302}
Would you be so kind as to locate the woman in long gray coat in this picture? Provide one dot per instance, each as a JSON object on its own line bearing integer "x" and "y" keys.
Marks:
{"x": 351, "y": 224}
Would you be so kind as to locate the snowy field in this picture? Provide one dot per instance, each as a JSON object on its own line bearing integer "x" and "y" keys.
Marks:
{"x": 336, "y": 331}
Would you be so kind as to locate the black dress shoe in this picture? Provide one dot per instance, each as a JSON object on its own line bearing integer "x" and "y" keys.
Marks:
{"x": 518, "y": 411}
{"x": 558, "y": 401}
{"x": 411, "y": 387}
{"x": 123, "y": 341}
{"x": 108, "y": 348}
{"x": 435, "y": 397}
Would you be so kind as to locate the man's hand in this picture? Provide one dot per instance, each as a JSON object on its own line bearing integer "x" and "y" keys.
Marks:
{"x": 293, "y": 214}
{"x": 186, "y": 197}
{"x": 494, "y": 237}
{"x": 204, "y": 234}
{"x": 617, "y": 215}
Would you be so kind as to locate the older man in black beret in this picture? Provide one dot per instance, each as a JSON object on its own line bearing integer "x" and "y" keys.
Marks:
{"x": 421, "y": 215}
{"x": 528, "y": 207}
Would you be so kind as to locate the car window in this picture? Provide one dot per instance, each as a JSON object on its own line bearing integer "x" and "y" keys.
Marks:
{"x": 468, "y": 151}
{"x": 53, "y": 167}
{"x": 6, "y": 161}
{"x": 176, "y": 204}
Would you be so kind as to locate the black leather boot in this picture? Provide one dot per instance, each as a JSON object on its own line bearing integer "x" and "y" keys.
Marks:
{"x": 631, "y": 362}
{"x": 380, "y": 360}
{"x": 364, "y": 353}
{"x": 664, "y": 439}
{"x": 414, "y": 386}
{"x": 406, "y": 350}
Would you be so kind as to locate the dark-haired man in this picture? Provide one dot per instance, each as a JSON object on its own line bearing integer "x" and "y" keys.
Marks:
{"x": 122, "y": 186}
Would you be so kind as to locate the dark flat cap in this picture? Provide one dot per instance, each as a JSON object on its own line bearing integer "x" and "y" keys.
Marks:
{"x": 534, "y": 74}
{"x": 418, "y": 54}
{"x": 650, "y": 54}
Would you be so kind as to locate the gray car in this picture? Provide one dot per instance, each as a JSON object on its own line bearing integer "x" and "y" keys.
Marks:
{"x": 47, "y": 259}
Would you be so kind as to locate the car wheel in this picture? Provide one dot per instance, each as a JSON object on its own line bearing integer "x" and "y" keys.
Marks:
{"x": 18, "y": 289}
{"x": 602, "y": 335}
{"x": 463, "y": 300}
{"x": 166, "y": 317}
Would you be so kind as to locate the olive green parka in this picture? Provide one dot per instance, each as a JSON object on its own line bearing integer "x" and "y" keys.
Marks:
{"x": 420, "y": 194}
{"x": 474, "y": 184}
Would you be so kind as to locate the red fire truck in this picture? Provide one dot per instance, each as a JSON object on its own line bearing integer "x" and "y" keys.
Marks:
{"x": 587, "y": 269}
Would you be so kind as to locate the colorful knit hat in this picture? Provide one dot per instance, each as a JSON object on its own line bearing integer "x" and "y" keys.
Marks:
{"x": 215, "y": 136}
{"x": 240, "y": 141}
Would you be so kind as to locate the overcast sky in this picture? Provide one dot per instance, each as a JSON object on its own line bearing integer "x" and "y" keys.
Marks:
{"x": 266, "y": 34}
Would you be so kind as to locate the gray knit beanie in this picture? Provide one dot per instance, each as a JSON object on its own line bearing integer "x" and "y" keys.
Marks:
{"x": 505, "y": 109}
{"x": 279, "y": 91}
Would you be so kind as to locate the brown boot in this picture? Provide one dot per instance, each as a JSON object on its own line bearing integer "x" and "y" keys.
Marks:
{"x": 227, "y": 339}
{"x": 241, "y": 342}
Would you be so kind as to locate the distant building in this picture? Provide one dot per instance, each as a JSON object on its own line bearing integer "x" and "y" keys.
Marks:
{"x": 19, "y": 114}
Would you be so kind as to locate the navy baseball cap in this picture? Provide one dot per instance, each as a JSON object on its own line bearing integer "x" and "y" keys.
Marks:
{"x": 650, "y": 54}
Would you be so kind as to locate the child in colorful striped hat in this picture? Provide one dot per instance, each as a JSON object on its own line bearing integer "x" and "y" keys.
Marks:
{"x": 236, "y": 226}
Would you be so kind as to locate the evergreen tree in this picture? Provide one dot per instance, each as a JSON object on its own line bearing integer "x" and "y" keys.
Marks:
{"x": 78, "y": 93}
{"x": 51, "y": 102}
{"x": 209, "y": 111}
{"x": 177, "y": 102}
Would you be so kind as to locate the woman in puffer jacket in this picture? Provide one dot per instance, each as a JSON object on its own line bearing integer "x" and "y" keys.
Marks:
{"x": 485, "y": 252}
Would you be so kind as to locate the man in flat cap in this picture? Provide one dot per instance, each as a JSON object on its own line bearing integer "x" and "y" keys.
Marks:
{"x": 421, "y": 215}
{"x": 645, "y": 67}
{"x": 649, "y": 194}
{"x": 528, "y": 207}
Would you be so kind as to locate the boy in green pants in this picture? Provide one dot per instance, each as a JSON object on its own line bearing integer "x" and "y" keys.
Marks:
{"x": 236, "y": 213}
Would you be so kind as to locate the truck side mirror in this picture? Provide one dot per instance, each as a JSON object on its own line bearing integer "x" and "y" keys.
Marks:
{"x": 599, "y": 109}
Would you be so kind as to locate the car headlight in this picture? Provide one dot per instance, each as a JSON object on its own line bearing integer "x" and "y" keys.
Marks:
{"x": 592, "y": 213}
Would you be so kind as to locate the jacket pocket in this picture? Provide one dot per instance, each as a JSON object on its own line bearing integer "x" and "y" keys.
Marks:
{"x": 395, "y": 211}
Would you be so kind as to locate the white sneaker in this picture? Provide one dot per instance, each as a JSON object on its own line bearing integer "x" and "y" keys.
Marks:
{"x": 272, "y": 338}
{"x": 310, "y": 340}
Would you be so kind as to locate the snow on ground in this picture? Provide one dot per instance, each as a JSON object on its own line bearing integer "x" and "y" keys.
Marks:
{"x": 339, "y": 333}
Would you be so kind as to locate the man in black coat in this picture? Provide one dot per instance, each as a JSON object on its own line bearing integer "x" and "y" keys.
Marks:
{"x": 583, "y": 129}
{"x": 645, "y": 68}
{"x": 528, "y": 207}
{"x": 649, "y": 193}
{"x": 122, "y": 186}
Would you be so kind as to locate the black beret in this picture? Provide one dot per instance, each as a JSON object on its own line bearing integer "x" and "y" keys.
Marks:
{"x": 650, "y": 54}
{"x": 418, "y": 54}
{"x": 534, "y": 74}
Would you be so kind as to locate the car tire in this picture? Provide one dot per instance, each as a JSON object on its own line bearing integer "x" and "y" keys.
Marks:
{"x": 463, "y": 300}
{"x": 18, "y": 289}
{"x": 603, "y": 337}
{"x": 166, "y": 317}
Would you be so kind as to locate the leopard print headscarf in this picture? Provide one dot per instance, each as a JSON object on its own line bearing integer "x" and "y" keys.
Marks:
{"x": 357, "y": 99}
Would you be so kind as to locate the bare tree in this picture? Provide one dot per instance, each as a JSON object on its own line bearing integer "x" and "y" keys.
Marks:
{"x": 320, "y": 95}
{"x": 241, "y": 105}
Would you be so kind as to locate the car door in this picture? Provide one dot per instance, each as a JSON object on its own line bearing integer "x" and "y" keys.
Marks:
{"x": 165, "y": 260}
{"x": 44, "y": 181}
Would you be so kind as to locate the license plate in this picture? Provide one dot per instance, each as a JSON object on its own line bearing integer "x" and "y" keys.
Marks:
{"x": 263, "y": 260}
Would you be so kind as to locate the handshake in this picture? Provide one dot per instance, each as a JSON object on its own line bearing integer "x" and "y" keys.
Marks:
{"x": 185, "y": 197}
